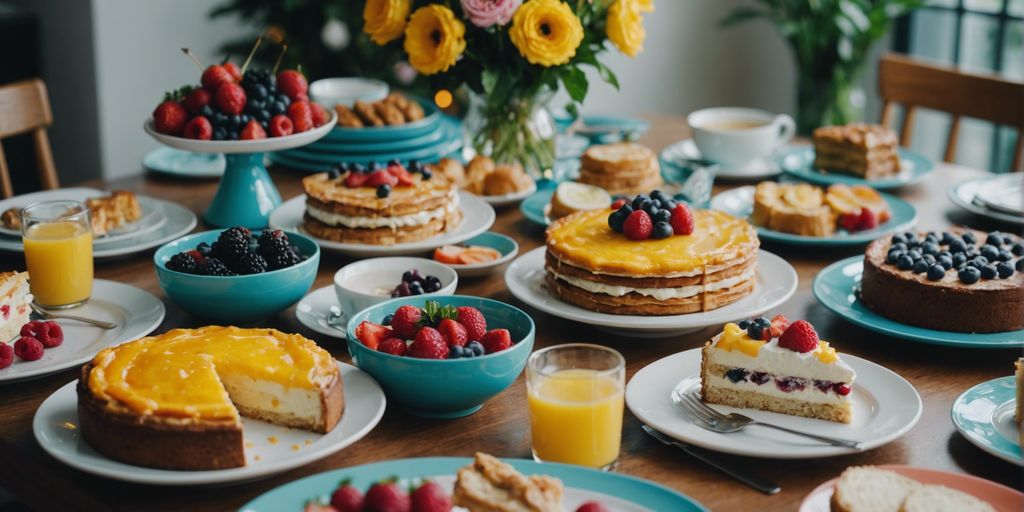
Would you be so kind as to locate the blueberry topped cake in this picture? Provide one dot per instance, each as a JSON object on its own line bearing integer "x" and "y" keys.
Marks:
{"x": 380, "y": 205}
{"x": 964, "y": 281}
{"x": 774, "y": 365}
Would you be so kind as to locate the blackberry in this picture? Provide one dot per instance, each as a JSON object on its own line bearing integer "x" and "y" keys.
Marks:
{"x": 182, "y": 262}
{"x": 231, "y": 245}
{"x": 251, "y": 263}
{"x": 273, "y": 246}
{"x": 213, "y": 267}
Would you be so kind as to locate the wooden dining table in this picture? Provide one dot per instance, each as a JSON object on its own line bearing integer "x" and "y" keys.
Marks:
{"x": 502, "y": 427}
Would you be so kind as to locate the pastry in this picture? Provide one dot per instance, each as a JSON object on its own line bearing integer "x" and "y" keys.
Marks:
{"x": 808, "y": 210}
{"x": 174, "y": 401}
{"x": 477, "y": 171}
{"x": 776, "y": 366}
{"x": 963, "y": 281}
{"x": 622, "y": 168}
{"x": 396, "y": 109}
{"x": 14, "y": 304}
{"x": 571, "y": 197}
{"x": 865, "y": 150}
{"x": 870, "y": 489}
{"x": 106, "y": 213}
{"x": 483, "y": 177}
{"x": 367, "y": 114}
{"x": 347, "y": 118}
{"x": 489, "y": 485}
{"x": 507, "y": 179}
{"x": 381, "y": 207}
{"x": 451, "y": 169}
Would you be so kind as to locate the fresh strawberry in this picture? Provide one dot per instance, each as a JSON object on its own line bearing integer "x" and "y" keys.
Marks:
{"x": 371, "y": 334}
{"x": 381, "y": 177}
{"x": 868, "y": 219}
{"x": 473, "y": 320}
{"x": 619, "y": 203}
{"x": 800, "y": 336}
{"x": 404, "y": 176}
{"x": 405, "y": 321}
{"x": 393, "y": 346}
{"x": 386, "y": 497}
{"x": 347, "y": 498}
{"x": 356, "y": 179}
{"x": 230, "y": 98}
{"x": 281, "y": 126}
{"x": 319, "y": 113}
{"x": 292, "y": 83}
{"x": 682, "y": 220}
{"x": 196, "y": 100}
{"x": 198, "y": 128}
{"x": 301, "y": 116}
{"x": 779, "y": 325}
{"x": 429, "y": 344}
{"x": 496, "y": 340}
{"x": 301, "y": 97}
{"x": 448, "y": 254}
{"x": 454, "y": 333}
{"x": 169, "y": 117}
{"x": 312, "y": 506}
{"x": 252, "y": 131}
{"x": 232, "y": 69}
{"x": 593, "y": 506}
{"x": 638, "y": 225}
{"x": 430, "y": 497}
{"x": 6, "y": 355}
{"x": 849, "y": 221}
{"x": 214, "y": 76}
{"x": 28, "y": 348}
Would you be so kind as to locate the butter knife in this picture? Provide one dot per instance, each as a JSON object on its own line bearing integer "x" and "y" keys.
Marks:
{"x": 765, "y": 486}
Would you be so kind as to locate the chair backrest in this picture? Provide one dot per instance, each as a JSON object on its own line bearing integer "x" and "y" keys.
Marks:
{"x": 912, "y": 83}
{"x": 25, "y": 108}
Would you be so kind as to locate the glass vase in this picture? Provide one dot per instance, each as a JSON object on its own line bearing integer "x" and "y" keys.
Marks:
{"x": 825, "y": 98}
{"x": 521, "y": 130}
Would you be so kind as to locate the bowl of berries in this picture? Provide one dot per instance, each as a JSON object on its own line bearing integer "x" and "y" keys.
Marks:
{"x": 441, "y": 357}
{"x": 364, "y": 283}
{"x": 237, "y": 276}
{"x": 242, "y": 113}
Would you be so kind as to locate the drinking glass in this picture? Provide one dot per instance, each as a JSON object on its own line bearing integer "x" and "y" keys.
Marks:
{"x": 575, "y": 395}
{"x": 58, "y": 252}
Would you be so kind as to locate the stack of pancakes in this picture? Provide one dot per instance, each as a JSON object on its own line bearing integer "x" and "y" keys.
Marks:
{"x": 865, "y": 150}
{"x": 356, "y": 215}
{"x": 590, "y": 265}
{"x": 622, "y": 168}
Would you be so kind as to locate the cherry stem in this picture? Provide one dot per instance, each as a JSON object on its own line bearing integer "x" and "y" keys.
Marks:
{"x": 284, "y": 49}
{"x": 195, "y": 59}
{"x": 252, "y": 52}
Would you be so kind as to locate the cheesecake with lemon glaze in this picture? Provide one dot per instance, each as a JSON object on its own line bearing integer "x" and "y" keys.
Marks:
{"x": 175, "y": 401}
{"x": 781, "y": 368}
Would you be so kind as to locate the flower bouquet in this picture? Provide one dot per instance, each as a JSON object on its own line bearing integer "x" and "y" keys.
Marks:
{"x": 511, "y": 55}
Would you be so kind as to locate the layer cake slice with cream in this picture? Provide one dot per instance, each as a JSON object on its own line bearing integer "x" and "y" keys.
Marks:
{"x": 14, "y": 304}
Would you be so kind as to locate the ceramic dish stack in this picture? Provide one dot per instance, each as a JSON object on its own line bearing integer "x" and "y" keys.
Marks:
{"x": 429, "y": 139}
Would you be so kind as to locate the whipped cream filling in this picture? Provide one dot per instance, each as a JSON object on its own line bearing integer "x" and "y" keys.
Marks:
{"x": 681, "y": 292}
{"x": 808, "y": 394}
{"x": 782, "y": 362}
{"x": 400, "y": 221}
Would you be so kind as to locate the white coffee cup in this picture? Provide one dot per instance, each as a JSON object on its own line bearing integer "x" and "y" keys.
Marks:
{"x": 735, "y": 137}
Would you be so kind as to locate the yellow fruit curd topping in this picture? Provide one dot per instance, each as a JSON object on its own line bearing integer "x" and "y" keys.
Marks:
{"x": 586, "y": 240}
{"x": 825, "y": 353}
{"x": 178, "y": 373}
{"x": 735, "y": 338}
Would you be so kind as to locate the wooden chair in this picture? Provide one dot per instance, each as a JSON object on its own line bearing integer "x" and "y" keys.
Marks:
{"x": 915, "y": 84}
{"x": 25, "y": 108}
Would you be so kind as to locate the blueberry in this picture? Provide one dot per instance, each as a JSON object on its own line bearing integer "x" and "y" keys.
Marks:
{"x": 1017, "y": 249}
{"x": 203, "y": 248}
{"x": 905, "y": 262}
{"x": 283, "y": 98}
{"x": 407, "y": 277}
{"x": 661, "y": 230}
{"x": 755, "y": 331}
{"x": 759, "y": 377}
{"x": 898, "y": 238}
{"x": 736, "y": 374}
{"x": 957, "y": 246}
{"x": 278, "y": 108}
{"x": 935, "y": 272}
{"x": 1004, "y": 269}
{"x": 426, "y": 175}
{"x": 743, "y": 324}
{"x": 969, "y": 275}
{"x": 914, "y": 254}
{"x": 669, "y": 204}
{"x": 628, "y": 208}
{"x": 651, "y": 210}
{"x": 394, "y": 162}
{"x": 947, "y": 263}
{"x": 333, "y": 173}
{"x": 617, "y": 219}
{"x": 432, "y": 284}
{"x": 662, "y": 216}
{"x": 990, "y": 252}
{"x": 402, "y": 290}
{"x": 989, "y": 272}
{"x": 929, "y": 259}
{"x": 476, "y": 347}
{"x": 932, "y": 237}
{"x": 657, "y": 194}
{"x": 947, "y": 238}
{"x": 930, "y": 248}
{"x": 373, "y": 166}
{"x": 1004, "y": 255}
{"x": 946, "y": 254}
{"x": 1020, "y": 265}
{"x": 416, "y": 288}
{"x": 920, "y": 266}
{"x": 638, "y": 202}
{"x": 236, "y": 120}
{"x": 387, "y": 320}
{"x": 901, "y": 246}
{"x": 994, "y": 238}
{"x": 414, "y": 166}
{"x": 357, "y": 168}
{"x": 969, "y": 238}
{"x": 206, "y": 112}
{"x": 245, "y": 119}
{"x": 910, "y": 237}
{"x": 979, "y": 261}
{"x": 656, "y": 203}
{"x": 383, "y": 191}
{"x": 893, "y": 256}
{"x": 232, "y": 134}
{"x": 763, "y": 321}
{"x": 959, "y": 259}
{"x": 220, "y": 134}
{"x": 456, "y": 352}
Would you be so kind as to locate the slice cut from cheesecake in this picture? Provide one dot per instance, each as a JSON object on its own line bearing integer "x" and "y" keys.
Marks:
{"x": 14, "y": 300}
{"x": 778, "y": 367}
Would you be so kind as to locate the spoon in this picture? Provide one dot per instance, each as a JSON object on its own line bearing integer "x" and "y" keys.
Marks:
{"x": 335, "y": 318}
{"x": 50, "y": 316}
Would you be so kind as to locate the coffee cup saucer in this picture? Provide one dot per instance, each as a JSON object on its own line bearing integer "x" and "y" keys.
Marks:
{"x": 686, "y": 149}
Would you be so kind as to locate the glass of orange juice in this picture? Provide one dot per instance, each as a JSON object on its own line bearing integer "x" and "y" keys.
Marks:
{"x": 58, "y": 252}
{"x": 575, "y": 395}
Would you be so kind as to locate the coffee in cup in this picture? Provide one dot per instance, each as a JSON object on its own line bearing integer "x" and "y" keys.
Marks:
{"x": 735, "y": 137}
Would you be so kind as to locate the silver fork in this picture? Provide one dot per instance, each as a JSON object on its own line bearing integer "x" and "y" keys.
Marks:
{"x": 42, "y": 313}
{"x": 724, "y": 423}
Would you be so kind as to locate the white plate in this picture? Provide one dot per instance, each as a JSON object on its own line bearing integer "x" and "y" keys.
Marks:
{"x": 776, "y": 283}
{"x": 55, "y": 427}
{"x": 477, "y": 217}
{"x": 243, "y": 146}
{"x": 1004, "y": 194}
{"x": 136, "y": 313}
{"x": 885, "y": 406}
{"x": 313, "y": 309}
{"x": 963, "y": 194}
{"x": 758, "y": 169}
{"x": 511, "y": 198}
{"x": 152, "y": 216}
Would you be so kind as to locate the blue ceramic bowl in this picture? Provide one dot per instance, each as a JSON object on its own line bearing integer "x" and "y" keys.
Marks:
{"x": 445, "y": 388}
{"x": 497, "y": 241}
{"x": 236, "y": 299}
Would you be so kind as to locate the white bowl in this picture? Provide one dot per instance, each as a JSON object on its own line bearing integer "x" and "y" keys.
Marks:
{"x": 346, "y": 91}
{"x": 364, "y": 283}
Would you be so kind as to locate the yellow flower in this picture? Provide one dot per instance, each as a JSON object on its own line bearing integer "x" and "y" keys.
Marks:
{"x": 626, "y": 26}
{"x": 546, "y": 32}
{"x": 434, "y": 39}
{"x": 384, "y": 20}
{"x": 645, "y": 5}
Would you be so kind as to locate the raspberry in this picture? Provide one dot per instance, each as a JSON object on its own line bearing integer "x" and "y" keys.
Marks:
{"x": 319, "y": 114}
{"x": 281, "y": 126}
{"x": 381, "y": 177}
{"x": 842, "y": 389}
{"x": 347, "y": 498}
{"x": 28, "y": 348}
{"x": 301, "y": 115}
{"x": 356, "y": 179}
{"x": 386, "y": 496}
{"x": 868, "y": 219}
{"x": 230, "y": 98}
{"x": 170, "y": 117}
{"x": 393, "y": 346}
{"x": 199, "y": 128}
{"x": 682, "y": 220}
{"x": 430, "y": 497}
{"x": 214, "y": 76}
{"x": 406, "y": 320}
{"x": 292, "y": 83}
{"x": 473, "y": 320}
{"x": 800, "y": 336}
{"x": 593, "y": 506}
{"x": 252, "y": 131}
{"x": 496, "y": 340}
{"x": 6, "y": 355}
{"x": 638, "y": 225}
{"x": 849, "y": 221}
{"x": 429, "y": 344}
{"x": 196, "y": 100}
{"x": 404, "y": 177}
{"x": 49, "y": 333}
{"x": 454, "y": 333}
{"x": 619, "y": 203}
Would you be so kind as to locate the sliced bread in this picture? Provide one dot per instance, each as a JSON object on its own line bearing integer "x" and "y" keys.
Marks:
{"x": 938, "y": 498}
{"x": 868, "y": 489}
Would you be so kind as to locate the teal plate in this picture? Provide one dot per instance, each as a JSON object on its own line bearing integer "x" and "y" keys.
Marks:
{"x": 451, "y": 140}
{"x": 739, "y": 202}
{"x": 628, "y": 493}
{"x": 420, "y": 141}
{"x": 835, "y": 287}
{"x": 389, "y": 133}
{"x": 184, "y": 164}
{"x": 534, "y": 208}
{"x": 799, "y": 162}
{"x": 984, "y": 415}
{"x": 309, "y": 166}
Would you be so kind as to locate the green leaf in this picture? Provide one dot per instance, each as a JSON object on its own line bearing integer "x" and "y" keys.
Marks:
{"x": 489, "y": 79}
{"x": 608, "y": 75}
{"x": 575, "y": 81}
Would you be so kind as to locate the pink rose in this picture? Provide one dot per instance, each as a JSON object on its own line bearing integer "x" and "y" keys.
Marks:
{"x": 484, "y": 13}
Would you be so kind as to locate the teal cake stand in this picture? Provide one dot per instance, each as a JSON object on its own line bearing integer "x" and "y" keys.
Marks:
{"x": 246, "y": 194}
